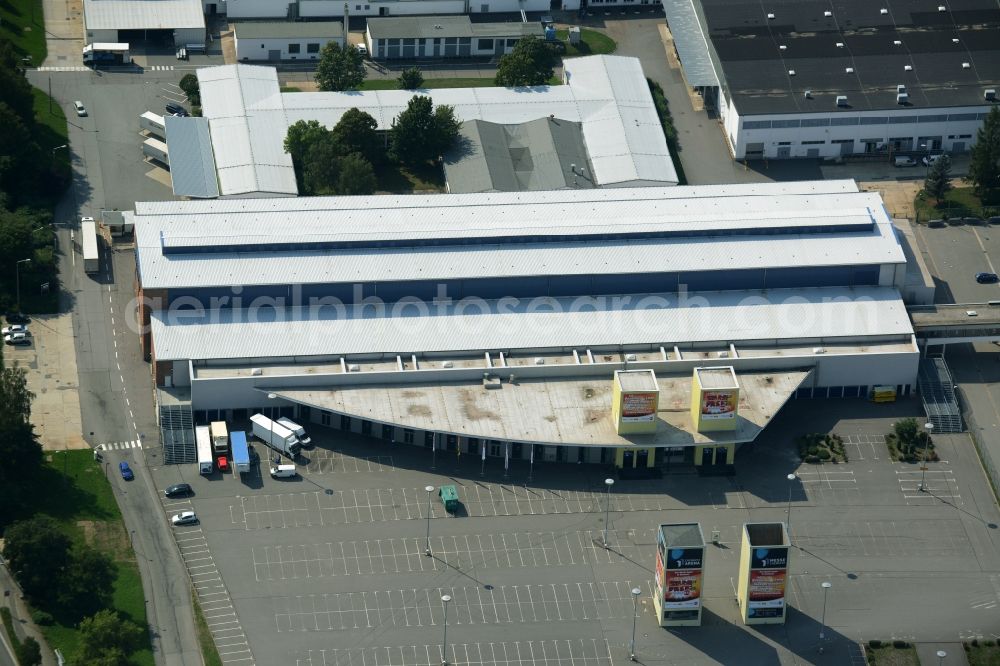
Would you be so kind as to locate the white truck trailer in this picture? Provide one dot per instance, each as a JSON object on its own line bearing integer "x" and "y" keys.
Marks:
{"x": 204, "y": 441}
{"x": 275, "y": 435}
{"x": 220, "y": 438}
{"x": 156, "y": 150}
{"x": 88, "y": 243}
{"x": 152, "y": 123}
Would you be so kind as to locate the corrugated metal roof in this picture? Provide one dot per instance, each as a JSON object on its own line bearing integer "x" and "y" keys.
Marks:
{"x": 192, "y": 166}
{"x": 661, "y": 319}
{"x": 248, "y": 127}
{"x": 143, "y": 14}
{"x": 690, "y": 42}
{"x": 608, "y": 95}
{"x": 255, "y": 223}
{"x": 285, "y": 29}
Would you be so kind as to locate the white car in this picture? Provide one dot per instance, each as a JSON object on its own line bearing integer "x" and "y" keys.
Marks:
{"x": 80, "y": 109}
{"x": 362, "y": 49}
{"x": 17, "y": 339}
{"x": 184, "y": 518}
{"x": 929, "y": 160}
{"x": 14, "y": 328}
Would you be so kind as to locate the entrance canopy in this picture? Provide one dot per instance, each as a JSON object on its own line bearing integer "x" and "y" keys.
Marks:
{"x": 567, "y": 411}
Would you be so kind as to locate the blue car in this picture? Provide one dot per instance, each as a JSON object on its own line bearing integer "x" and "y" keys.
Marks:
{"x": 126, "y": 471}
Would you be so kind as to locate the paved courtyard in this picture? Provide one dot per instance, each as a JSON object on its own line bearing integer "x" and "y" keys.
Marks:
{"x": 330, "y": 568}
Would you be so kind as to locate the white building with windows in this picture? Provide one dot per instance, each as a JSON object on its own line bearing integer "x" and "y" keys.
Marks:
{"x": 443, "y": 37}
{"x": 259, "y": 9}
{"x": 277, "y": 41}
{"x": 804, "y": 79}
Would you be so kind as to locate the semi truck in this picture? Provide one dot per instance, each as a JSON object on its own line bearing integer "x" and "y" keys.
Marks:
{"x": 153, "y": 124}
{"x": 241, "y": 452}
{"x": 275, "y": 435}
{"x": 102, "y": 53}
{"x": 299, "y": 431}
{"x": 204, "y": 441}
{"x": 157, "y": 150}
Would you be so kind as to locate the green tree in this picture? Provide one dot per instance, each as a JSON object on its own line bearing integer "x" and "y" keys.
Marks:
{"x": 340, "y": 68}
{"x": 16, "y": 241}
{"x": 938, "y": 180}
{"x": 17, "y": 145}
{"x": 321, "y": 166}
{"x": 530, "y": 63}
{"x": 37, "y": 553}
{"x": 984, "y": 167}
{"x": 421, "y": 133}
{"x": 106, "y": 639}
{"x": 356, "y": 133}
{"x": 356, "y": 175}
{"x": 86, "y": 583}
{"x": 29, "y": 653}
{"x": 410, "y": 79}
{"x": 189, "y": 84}
{"x": 301, "y": 135}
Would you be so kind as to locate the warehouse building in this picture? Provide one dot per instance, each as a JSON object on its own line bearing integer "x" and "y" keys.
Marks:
{"x": 321, "y": 9}
{"x": 276, "y": 41}
{"x": 608, "y": 96}
{"x": 173, "y": 23}
{"x": 805, "y": 79}
{"x": 443, "y": 37}
{"x": 495, "y": 323}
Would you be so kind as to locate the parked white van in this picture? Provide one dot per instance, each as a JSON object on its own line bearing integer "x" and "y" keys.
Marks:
{"x": 283, "y": 471}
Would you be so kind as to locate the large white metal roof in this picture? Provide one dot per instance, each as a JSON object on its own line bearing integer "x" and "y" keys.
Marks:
{"x": 143, "y": 14}
{"x": 608, "y": 95}
{"x": 411, "y": 238}
{"x": 821, "y": 314}
{"x": 243, "y": 107}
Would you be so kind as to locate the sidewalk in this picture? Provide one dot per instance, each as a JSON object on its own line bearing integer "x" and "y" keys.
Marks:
{"x": 23, "y": 626}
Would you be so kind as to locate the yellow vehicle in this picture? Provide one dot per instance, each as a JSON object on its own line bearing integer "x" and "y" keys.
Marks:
{"x": 449, "y": 497}
{"x": 883, "y": 394}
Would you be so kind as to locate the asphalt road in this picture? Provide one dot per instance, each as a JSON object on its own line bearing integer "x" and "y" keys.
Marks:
{"x": 115, "y": 398}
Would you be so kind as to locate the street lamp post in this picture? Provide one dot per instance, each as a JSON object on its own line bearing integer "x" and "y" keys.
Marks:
{"x": 444, "y": 640}
{"x": 941, "y": 654}
{"x": 607, "y": 509}
{"x": 826, "y": 585}
{"x": 635, "y": 605}
{"x": 929, "y": 427}
{"x": 17, "y": 279}
{"x": 791, "y": 480}
{"x": 429, "y": 490}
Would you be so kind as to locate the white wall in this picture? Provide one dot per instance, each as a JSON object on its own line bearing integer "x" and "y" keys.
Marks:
{"x": 257, "y": 9}
{"x": 258, "y": 49}
{"x": 335, "y": 8}
{"x": 956, "y": 135}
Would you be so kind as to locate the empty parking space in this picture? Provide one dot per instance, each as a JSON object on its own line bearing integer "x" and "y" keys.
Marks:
{"x": 322, "y": 461}
{"x": 865, "y": 447}
{"x": 470, "y": 605}
{"x": 938, "y": 482}
{"x": 886, "y": 541}
{"x": 579, "y": 652}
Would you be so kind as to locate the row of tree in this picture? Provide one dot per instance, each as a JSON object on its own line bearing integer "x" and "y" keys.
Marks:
{"x": 344, "y": 160}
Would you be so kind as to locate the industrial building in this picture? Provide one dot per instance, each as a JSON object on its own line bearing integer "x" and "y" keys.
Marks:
{"x": 318, "y": 9}
{"x": 167, "y": 22}
{"x": 443, "y": 37}
{"x": 276, "y": 41}
{"x": 608, "y": 96}
{"x": 598, "y": 325}
{"x": 804, "y": 79}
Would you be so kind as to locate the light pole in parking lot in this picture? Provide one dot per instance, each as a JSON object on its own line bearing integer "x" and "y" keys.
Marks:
{"x": 429, "y": 490}
{"x": 635, "y": 612}
{"x": 826, "y": 585}
{"x": 607, "y": 510}
{"x": 929, "y": 427}
{"x": 17, "y": 279}
{"x": 445, "y": 598}
{"x": 791, "y": 480}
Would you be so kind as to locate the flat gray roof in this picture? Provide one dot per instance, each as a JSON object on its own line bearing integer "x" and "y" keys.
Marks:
{"x": 286, "y": 29}
{"x": 408, "y": 27}
{"x": 192, "y": 163}
{"x": 637, "y": 380}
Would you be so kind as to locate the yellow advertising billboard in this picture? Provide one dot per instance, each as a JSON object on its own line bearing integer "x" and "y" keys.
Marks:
{"x": 635, "y": 398}
{"x": 715, "y": 399}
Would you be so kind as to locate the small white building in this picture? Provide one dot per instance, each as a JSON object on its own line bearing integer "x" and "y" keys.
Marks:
{"x": 443, "y": 37}
{"x": 285, "y": 40}
{"x": 172, "y": 22}
{"x": 335, "y": 8}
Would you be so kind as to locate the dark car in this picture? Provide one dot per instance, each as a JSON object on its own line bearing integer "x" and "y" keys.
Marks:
{"x": 18, "y": 318}
{"x": 126, "y": 471}
{"x": 178, "y": 490}
{"x": 987, "y": 278}
{"x": 176, "y": 109}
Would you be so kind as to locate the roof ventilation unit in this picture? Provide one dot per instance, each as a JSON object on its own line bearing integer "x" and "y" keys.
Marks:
{"x": 990, "y": 94}
{"x": 828, "y": 13}
{"x": 883, "y": 11}
{"x": 896, "y": 42}
{"x": 900, "y": 88}
{"x": 840, "y": 45}
{"x": 966, "y": 65}
{"x": 902, "y": 98}
{"x": 819, "y": 350}
{"x": 354, "y": 367}
{"x": 539, "y": 360}
{"x": 782, "y": 47}
{"x": 770, "y": 16}
{"x": 808, "y": 94}
{"x": 907, "y": 68}
{"x": 849, "y": 70}
{"x": 955, "y": 40}
{"x": 447, "y": 364}
{"x": 942, "y": 8}
{"x": 791, "y": 72}
{"x": 841, "y": 100}
{"x": 630, "y": 357}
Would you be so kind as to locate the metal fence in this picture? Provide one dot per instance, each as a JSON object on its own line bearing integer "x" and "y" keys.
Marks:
{"x": 984, "y": 455}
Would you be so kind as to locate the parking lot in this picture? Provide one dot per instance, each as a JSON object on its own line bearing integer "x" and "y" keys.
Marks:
{"x": 330, "y": 568}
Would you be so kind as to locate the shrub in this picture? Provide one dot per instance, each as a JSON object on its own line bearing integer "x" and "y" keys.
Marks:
{"x": 975, "y": 642}
{"x": 812, "y": 460}
{"x": 900, "y": 645}
{"x": 823, "y": 454}
{"x": 41, "y": 617}
{"x": 874, "y": 644}
{"x": 989, "y": 643}
{"x": 813, "y": 450}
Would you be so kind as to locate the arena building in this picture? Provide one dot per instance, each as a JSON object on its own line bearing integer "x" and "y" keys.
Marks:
{"x": 512, "y": 324}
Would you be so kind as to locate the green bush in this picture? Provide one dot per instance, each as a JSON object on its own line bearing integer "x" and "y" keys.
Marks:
{"x": 812, "y": 460}
{"x": 824, "y": 454}
{"x": 900, "y": 645}
{"x": 41, "y": 617}
{"x": 813, "y": 450}
{"x": 874, "y": 644}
